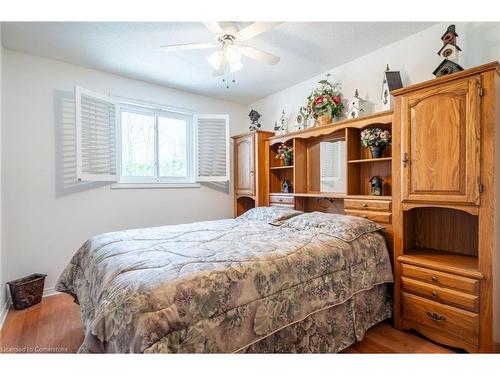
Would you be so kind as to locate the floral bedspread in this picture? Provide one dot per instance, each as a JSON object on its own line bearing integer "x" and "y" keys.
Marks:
{"x": 216, "y": 286}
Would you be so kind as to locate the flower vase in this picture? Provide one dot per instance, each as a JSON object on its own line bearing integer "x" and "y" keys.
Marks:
{"x": 324, "y": 120}
{"x": 287, "y": 162}
{"x": 377, "y": 151}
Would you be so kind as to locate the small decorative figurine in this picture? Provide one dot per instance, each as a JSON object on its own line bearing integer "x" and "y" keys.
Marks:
{"x": 376, "y": 183}
{"x": 392, "y": 81}
{"x": 355, "y": 106}
{"x": 449, "y": 52}
{"x": 301, "y": 119}
{"x": 283, "y": 124}
{"x": 254, "y": 118}
{"x": 276, "y": 127}
{"x": 299, "y": 122}
{"x": 286, "y": 187}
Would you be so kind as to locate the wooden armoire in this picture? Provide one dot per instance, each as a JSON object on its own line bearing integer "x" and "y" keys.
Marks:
{"x": 251, "y": 170}
{"x": 446, "y": 208}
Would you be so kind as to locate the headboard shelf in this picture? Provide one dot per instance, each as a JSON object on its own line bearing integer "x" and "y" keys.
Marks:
{"x": 376, "y": 119}
{"x": 379, "y": 160}
{"x": 332, "y": 172}
{"x": 458, "y": 264}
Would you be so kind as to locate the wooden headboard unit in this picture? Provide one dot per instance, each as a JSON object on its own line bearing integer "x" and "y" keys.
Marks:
{"x": 360, "y": 167}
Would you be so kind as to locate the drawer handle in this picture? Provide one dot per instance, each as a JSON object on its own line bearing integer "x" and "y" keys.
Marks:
{"x": 364, "y": 216}
{"x": 364, "y": 205}
{"x": 280, "y": 200}
{"x": 434, "y": 293}
{"x": 435, "y": 317}
{"x": 434, "y": 278}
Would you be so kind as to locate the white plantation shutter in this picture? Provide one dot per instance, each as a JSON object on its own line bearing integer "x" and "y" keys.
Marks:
{"x": 330, "y": 156}
{"x": 212, "y": 148}
{"x": 96, "y": 136}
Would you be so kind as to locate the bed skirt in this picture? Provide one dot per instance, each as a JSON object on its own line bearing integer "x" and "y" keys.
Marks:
{"x": 330, "y": 330}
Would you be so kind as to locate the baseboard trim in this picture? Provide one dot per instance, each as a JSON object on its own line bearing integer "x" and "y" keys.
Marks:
{"x": 47, "y": 292}
{"x": 3, "y": 313}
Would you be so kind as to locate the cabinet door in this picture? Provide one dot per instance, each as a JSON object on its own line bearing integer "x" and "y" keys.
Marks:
{"x": 245, "y": 161}
{"x": 441, "y": 143}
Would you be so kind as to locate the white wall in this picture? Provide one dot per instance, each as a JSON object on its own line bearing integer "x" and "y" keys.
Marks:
{"x": 43, "y": 231}
{"x": 415, "y": 56}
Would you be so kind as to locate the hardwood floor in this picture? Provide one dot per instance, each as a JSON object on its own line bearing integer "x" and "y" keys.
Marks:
{"x": 54, "y": 326}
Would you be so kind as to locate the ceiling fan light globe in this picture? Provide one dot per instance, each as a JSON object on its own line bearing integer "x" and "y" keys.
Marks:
{"x": 234, "y": 67}
{"x": 233, "y": 53}
{"x": 215, "y": 59}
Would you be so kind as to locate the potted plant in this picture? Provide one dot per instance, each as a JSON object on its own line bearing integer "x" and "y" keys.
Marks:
{"x": 324, "y": 103}
{"x": 377, "y": 139}
{"x": 285, "y": 153}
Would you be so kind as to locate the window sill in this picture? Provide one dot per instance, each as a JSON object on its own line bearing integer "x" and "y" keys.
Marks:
{"x": 154, "y": 185}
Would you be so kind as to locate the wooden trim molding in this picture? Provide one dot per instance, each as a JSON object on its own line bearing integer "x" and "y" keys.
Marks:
{"x": 452, "y": 77}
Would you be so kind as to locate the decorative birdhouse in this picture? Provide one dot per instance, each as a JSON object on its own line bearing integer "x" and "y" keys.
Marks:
{"x": 376, "y": 184}
{"x": 282, "y": 126}
{"x": 447, "y": 67}
{"x": 449, "y": 52}
{"x": 392, "y": 81}
{"x": 300, "y": 120}
{"x": 450, "y": 36}
{"x": 355, "y": 106}
{"x": 254, "y": 120}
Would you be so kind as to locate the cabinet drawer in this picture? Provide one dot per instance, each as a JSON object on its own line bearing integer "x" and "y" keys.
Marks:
{"x": 438, "y": 320}
{"x": 379, "y": 217}
{"x": 359, "y": 204}
{"x": 442, "y": 279}
{"x": 281, "y": 199}
{"x": 444, "y": 295}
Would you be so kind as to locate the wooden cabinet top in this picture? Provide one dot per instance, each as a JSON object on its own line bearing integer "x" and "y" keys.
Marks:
{"x": 464, "y": 73}
{"x": 263, "y": 132}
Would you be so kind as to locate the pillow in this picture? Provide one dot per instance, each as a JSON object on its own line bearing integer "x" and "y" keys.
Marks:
{"x": 344, "y": 227}
{"x": 271, "y": 215}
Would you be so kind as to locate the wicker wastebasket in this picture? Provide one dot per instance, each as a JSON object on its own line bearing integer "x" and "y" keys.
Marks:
{"x": 27, "y": 291}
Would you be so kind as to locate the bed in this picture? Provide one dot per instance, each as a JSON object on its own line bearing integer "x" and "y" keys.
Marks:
{"x": 270, "y": 281}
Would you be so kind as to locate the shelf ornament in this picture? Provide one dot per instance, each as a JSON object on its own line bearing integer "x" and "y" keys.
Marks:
{"x": 377, "y": 140}
{"x": 324, "y": 103}
{"x": 449, "y": 52}
{"x": 392, "y": 81}
{"x": 281, "y": 127}
{"x": 285, "y": 153}
{"x": 355, "y": 106}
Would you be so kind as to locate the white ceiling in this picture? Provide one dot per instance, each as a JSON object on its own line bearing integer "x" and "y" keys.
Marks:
{"x": 132, "y": 49}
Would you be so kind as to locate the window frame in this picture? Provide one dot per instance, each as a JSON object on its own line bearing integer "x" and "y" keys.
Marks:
{"x": 157, "y": 180}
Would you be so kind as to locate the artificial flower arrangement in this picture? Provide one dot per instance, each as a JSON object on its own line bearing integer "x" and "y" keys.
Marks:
{"x": 285, "y": 153}
{"x": 325, "y": 102}
{"x": 377, "y": 139}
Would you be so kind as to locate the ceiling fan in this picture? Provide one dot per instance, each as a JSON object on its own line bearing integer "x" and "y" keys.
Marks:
{"x": 230, "y": 46}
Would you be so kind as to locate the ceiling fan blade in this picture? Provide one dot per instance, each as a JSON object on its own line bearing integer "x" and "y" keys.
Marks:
{"x": 259, "y": 55}
{"x": 180, "y": 47}
{"x": 255, "y": 29}
{"x": 213, "y": 27}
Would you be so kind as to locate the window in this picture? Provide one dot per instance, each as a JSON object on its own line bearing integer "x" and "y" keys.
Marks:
{"x": 156, "y": 146}
{"x": 142, "y": 143}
